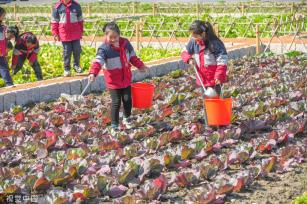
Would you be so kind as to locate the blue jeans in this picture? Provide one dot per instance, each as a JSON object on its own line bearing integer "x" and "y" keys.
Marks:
{"x": 5, "y": 73}
{"x": 71, "y": 47}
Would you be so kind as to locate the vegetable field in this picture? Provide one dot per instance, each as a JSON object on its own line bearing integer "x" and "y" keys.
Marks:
{"x": 65, "y": 150}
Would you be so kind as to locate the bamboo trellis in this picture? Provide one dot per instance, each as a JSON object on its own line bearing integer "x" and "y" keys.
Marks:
{"x": 278, "y": 32}
{"x": 162, "y": 26}
{"x": 150, "y": 35}
{"x": 165, "y": 34}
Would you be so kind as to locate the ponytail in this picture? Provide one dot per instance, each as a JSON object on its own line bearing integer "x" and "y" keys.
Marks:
{"x": 14, "y": 30}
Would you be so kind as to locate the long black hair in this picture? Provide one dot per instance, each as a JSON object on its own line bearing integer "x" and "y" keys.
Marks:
{"x": 14, "y": 30}
{"x": 111, "y": 26}
{"x": 2, "y": 11}
{"x": 199, "y": 27}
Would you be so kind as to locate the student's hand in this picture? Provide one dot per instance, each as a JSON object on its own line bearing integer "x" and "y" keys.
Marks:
{"x": 143, "y": 69}
{"x": 217, "y": 82}
{"x": 13, "y": 67}
{"x": 192, "y": 62}
{"x": 56, "y": 38}
{"x": 91, "y": 77}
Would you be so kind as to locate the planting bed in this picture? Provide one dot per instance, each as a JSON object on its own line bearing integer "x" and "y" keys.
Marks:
{"x": 65, "y": 150}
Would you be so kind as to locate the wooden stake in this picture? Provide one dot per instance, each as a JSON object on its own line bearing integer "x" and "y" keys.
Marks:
{"x": 15, "y": 11}
{"x": 258, "y": 43}
{"x": 154, "y": 9}
{"x": 198, "y": 10}
{"x": 133, "y": 8}
{"x": 88, "y": 10}
{"x": 51, "y": 9}
{"x": 137, "y": 32}
{"x": 292, "y": 8}
{"x": 242, "y": 9}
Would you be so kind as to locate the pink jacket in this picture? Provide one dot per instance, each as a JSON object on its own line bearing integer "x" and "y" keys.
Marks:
{"x": 67, "y": 21}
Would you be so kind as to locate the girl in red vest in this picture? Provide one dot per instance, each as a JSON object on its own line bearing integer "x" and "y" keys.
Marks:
{"x": 26, "y": 47}
{"x": 115, "y": 57}
{"x": 67, "y": 27}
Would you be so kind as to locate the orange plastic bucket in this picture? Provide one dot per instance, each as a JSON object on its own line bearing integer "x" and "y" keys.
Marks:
{"x": 142, "y": 95}
{"x": 219, "y": 111}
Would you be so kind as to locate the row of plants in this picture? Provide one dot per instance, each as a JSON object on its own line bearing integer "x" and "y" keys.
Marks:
{"x": 51, "y": 60}
{"x": 108, "y": 7}
{"x": 64, "y": 150}
{"x": 164, "y": 26}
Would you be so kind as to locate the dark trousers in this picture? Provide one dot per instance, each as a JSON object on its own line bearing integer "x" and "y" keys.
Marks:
{"x": 117, "y": 96}
{"x": 71, "y": 47}
{"x": 4, "y": 72}
{"x": 36, "y": 67}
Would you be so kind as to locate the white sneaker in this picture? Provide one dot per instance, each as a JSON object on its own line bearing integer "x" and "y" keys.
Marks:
{"x": 78, "y": 69}
{"x": 67, "y": 73}
{"x": 127, "y": 122}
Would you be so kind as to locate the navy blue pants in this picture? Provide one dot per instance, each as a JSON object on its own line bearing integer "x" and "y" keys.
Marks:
{"x": 4, "y": 72}
{"x": 36, "y": 67}
{"x": 71, "y": 47}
